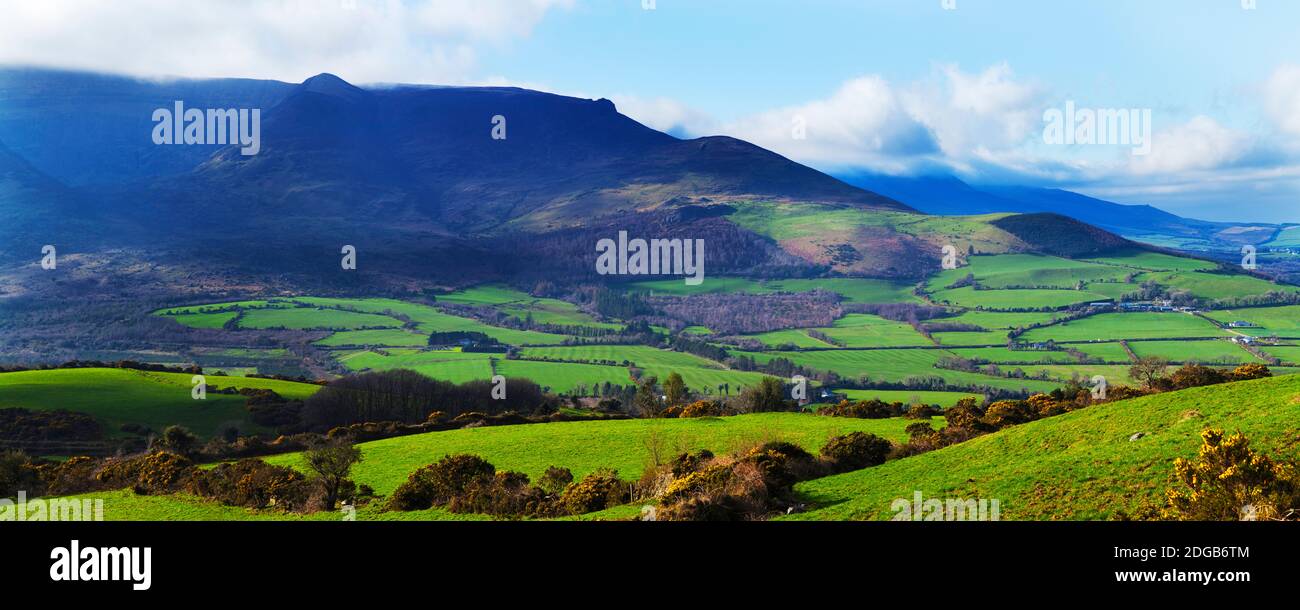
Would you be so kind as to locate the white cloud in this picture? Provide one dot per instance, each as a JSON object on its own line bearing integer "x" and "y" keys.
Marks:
{"x": 666, "y": 115}
{"x": 864, "y": 122}
{"x": 1281, "y": 98}
{"x": 1201, "y": 143}
{"x": 428, "y": 41}
{"x": 978, "y": 115}
{"x": 868, "y": 122}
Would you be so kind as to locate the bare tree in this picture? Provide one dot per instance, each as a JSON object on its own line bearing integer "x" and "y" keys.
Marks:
{"x": 332, "y": 461}
{"x": 1148, "y": 370}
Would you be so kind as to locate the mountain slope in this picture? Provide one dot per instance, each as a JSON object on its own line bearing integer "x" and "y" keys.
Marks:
{"x": 1080, "y": 465}
{"x": 418, "y": 179}
{"x": 948, "y": 195}
{"x": 426, "y": 158}
{"x": 92, "y": 129}
{"x": 36, "y": 210}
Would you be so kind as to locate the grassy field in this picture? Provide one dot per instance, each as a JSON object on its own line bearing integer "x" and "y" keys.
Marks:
{"x": 967, "y": 296}
{"x": 1028, "y": 270}
{"x": 305, "y": 318}
{"x": 1280, "y": 321}
{"x": 448, "y": 365}
{"x": 567, "y": 377}
{"x": 989, "y": 337}
{"x": 1213, "y": 286}
{"x": 698, "y": 373}
{"x": 781, "y": 338}
{"x": 1204, "y": 352}
{"x": 1289, "y": 354}
{"x": 205, "y": 320}
{"x": 943, "y": 399}
{"x": 997, "y": 320}
{"x": 579, "y": 446}
{"x": 379, "y": 338}
{"x": 1154, "y": 261}
{"x": 157, "y": 400}
{"x": 897, "y": 365}
{"x": 1134, "y": 325}
{"x": 1108, "y": 352}
{"x": 1078, "y": 466}
{"x": 1004, "y": 355}
{"x": 232, "y": 305}
{"x": 639, "y": 355}
{"x": 865, "y": 330}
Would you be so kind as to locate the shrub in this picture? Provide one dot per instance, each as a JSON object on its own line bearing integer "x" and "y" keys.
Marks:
{"x": 506, "y": 494}
{"x": 555, "y": 480}
{"x": 17, "y": 473}
{"x": 72, "y": 476}
{"x": 176, "y": 439}
{"x": 1195, "y": 376}
{"x": 1005, "y": 413}
{"x": 750, "y": 485}
{"x": 1230, "y": 481}
{"x": 864, "y": 409}
{"x": 253, "y": 483}
{"x": 707, "y": 481}
{"x": 782, "y": 464}
{"x": 687, "y": 463}
{"x": 1046, "y": 406}
{"x": 597, "y": 491}
{"x": 921, "y": 411}
{"x": 438, "y": 483}
{"x": 704, "y": 408}
{"x": 965, "y": 414}
{"x": 1247, "y": 372}
{"x": 855, "y": 451}
{"x": 162, "y": 472}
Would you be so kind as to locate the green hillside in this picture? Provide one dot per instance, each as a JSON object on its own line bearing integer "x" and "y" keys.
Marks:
{"x": 1077, "y": 466}
{"x": 580, "y": 446}
{"x": 156, "y": 400}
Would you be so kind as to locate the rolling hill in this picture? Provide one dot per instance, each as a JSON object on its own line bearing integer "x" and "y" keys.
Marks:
{"x": 153, "y": 399}
{"x": 1096, "y": 463}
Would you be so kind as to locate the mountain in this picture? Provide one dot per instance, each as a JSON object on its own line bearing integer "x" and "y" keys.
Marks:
{"x": 948, "y": 195}
{"x": 437, "y": 183}
{"x": 424, "y": 158}
{"x": 36, "y": 210}
{"x": 93, "y": 129}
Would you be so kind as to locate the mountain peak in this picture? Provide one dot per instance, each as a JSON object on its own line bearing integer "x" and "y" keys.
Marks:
{"x": 329, "y": 84}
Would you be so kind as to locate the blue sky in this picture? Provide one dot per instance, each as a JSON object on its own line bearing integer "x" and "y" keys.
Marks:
{"x": 893, "y": 86}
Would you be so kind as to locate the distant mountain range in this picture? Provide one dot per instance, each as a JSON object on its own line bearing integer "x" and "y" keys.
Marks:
{"x": 420, "y": 179}
{"x": 948, "y": 195}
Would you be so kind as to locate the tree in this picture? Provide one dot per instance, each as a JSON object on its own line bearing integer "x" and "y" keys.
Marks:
{"x": 768, "y": 395}
{"x": 1149, "y": 370}
{"x": 646, "y": 402}
{"x": 675, "y": 389}
{"x": 332, "y": 461}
